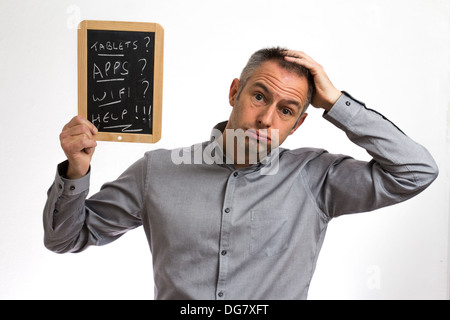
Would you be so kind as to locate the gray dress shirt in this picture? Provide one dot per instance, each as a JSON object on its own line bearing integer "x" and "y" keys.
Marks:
{"x": 220, "y": 233}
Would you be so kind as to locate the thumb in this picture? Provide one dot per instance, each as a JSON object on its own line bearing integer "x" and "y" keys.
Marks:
{"x": 89, "y": 151}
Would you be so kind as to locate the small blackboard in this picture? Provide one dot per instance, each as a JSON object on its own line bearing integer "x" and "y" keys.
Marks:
{"x": 120, "y": 69}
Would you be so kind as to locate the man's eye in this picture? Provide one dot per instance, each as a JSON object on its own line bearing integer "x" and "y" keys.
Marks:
{"x": 259, "y": 97}
{"x": 286, "y": 111}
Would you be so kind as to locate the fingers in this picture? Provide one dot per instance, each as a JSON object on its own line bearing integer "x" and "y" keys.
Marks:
{"x": 73, "y": 144}
{"x": 296, "y": 54}
{"x": 79, "y": 120}
{"x": 78, "y": 143}
{"x": 78, "y": 135}
{"x": 325, "y": 94}
{"x": 304, "y": 60}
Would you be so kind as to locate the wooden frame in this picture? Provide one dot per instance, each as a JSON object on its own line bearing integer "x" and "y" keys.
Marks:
{"x": 157, "y": 78}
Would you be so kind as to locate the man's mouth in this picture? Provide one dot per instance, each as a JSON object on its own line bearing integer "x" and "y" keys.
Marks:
{"x": 258, "y": 135}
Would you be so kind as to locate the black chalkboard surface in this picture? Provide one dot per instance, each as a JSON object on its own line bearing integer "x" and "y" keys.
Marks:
{"x": 120, "y": 79}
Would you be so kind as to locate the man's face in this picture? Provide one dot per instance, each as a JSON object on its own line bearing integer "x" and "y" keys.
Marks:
{"x": 272, "y": 98}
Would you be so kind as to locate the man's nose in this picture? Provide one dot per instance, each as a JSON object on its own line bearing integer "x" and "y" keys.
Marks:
{"x": 266, "y": 116}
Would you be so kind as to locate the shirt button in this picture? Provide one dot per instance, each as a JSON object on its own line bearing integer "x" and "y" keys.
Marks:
{"x": 220, "y": 294}
{"x": 227, "y": 210}
{"x": 224, "y": 252}
{"x": 347, "y": 103}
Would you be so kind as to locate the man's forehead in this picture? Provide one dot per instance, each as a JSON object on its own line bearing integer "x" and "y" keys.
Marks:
{"x": 270, "y": 76}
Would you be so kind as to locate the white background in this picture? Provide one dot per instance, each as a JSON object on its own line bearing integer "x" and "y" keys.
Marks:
{"x": 391, "y": 54}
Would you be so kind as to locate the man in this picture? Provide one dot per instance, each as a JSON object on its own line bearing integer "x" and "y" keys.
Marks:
{"x": 224, "y": 226}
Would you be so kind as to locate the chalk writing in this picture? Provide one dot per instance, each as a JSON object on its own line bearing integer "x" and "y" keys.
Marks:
{"x": 120, "y": 68}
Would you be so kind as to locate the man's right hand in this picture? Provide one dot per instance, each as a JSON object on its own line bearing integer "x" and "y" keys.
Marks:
{"x": 78, "y": 142}
{"x": 325, "y": 95}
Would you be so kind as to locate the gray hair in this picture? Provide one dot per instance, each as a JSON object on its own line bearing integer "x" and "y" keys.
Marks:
{"x": 276, "y": 54}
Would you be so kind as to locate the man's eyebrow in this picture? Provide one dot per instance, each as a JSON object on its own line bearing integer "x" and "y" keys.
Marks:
{"x": 292, "y": 102}
{"x": 262, "y": 86}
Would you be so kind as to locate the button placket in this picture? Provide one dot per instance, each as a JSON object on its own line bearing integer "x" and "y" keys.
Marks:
{"x": 224, "y": 244}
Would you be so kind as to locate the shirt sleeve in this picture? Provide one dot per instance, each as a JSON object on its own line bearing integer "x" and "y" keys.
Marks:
{"x": 400, "y": 167}
{"x": 72, "y": 222}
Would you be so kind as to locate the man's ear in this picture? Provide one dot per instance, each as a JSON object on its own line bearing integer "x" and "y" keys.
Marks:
{"x": 234, "y": 88}
{"x": 299, "y": 123}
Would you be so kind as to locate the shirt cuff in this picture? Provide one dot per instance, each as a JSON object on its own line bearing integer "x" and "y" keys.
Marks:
{"x": 343, "y": 111}
{"x": 70, "y": 187}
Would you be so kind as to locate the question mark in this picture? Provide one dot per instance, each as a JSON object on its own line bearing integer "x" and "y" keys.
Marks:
{"x": 148, "y": 84}
{"x": 145, "y": 64}
{"x": 148, "y": 41}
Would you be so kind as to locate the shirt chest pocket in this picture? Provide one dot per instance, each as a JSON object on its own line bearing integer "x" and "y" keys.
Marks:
{"x": 268, "y": 232}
